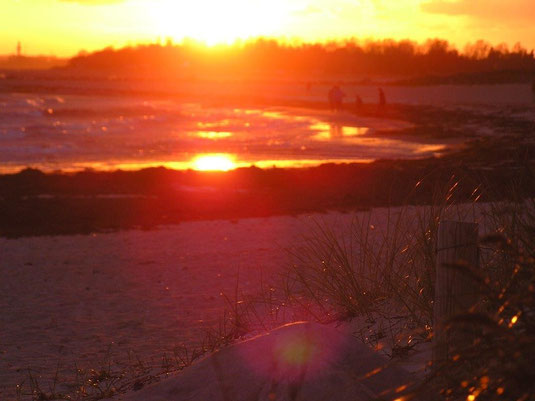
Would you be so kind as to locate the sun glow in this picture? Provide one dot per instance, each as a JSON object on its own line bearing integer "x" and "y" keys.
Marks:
{"x": 214, "y": 22}
{"x": 214, "y": 162}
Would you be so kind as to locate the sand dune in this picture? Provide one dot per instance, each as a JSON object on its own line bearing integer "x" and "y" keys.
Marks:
{"x": 302, "y": 361}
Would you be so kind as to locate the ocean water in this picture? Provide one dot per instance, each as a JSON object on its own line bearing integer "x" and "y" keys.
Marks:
{"x": 73, "y": 132}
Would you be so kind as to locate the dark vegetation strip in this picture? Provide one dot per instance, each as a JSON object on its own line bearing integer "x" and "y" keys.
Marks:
{"x": 34, "y": 203}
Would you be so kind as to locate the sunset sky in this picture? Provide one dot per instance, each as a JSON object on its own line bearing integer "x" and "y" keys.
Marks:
{"x": 64, "y": 27}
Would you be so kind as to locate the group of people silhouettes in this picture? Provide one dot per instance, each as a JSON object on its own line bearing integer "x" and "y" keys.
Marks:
{"x": 336, "y": 96}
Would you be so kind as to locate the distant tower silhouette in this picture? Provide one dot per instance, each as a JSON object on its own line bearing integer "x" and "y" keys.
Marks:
{"x": 19, "y": 49}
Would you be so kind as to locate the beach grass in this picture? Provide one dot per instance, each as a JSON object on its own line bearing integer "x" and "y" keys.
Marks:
{"x": 380, "y": 276}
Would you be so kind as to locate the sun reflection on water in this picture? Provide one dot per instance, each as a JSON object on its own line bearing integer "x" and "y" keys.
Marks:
{"x": 430, "y": 148}
{"x": 327, "y": 132}
{"x": 206, "y": 125}
{"x": 263, "y": 138}
{"x": 213, "y": 134}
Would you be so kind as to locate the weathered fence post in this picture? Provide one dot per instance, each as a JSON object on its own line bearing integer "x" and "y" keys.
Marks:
{"x": 455, "y": 291}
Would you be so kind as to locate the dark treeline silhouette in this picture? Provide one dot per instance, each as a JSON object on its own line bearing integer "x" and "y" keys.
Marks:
{"x": 269, "y": 57}
{"x": 31, "y": 62}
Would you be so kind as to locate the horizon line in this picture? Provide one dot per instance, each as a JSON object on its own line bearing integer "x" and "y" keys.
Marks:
{"x": 289, "y": 42}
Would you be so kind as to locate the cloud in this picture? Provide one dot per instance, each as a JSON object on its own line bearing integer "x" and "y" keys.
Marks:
{"x": 496, "y": 10}
{"x": 93, "y": 2}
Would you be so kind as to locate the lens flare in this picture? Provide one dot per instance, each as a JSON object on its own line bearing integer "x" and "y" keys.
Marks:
{"x": 297, "y": 351}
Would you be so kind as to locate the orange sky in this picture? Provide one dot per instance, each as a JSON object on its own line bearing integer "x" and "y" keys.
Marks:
{"x": 63, "y": 27}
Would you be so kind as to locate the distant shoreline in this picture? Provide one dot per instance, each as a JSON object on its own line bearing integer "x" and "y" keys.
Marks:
{"x": 57, "y": 74}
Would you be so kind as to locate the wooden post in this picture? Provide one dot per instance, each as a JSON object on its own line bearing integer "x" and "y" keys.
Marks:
{"x": 455, "y": 291}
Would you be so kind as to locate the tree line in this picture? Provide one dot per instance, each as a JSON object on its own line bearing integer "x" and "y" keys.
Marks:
{"x": 269, "y": 57}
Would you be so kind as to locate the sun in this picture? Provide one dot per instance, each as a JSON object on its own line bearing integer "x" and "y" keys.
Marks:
{"x": 216, "y": 21}
{"x": 214, "y": 162}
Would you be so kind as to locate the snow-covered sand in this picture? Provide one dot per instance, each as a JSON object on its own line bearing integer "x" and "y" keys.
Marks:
{"x": 76, "y": 299}
{"x": 68, "y": 299}
{"x": 301, "y": 361}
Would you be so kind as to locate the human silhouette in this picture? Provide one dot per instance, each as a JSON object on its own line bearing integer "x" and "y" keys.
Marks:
{"x": 358, "y": 103}
{"x": 382, "y": 98}
{"x": 336, "y": 98}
